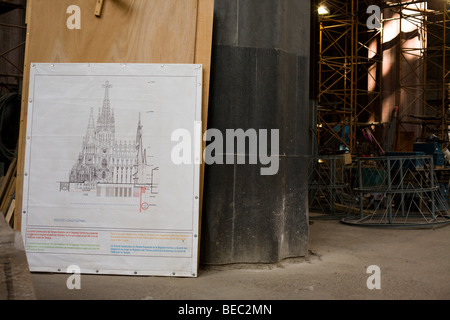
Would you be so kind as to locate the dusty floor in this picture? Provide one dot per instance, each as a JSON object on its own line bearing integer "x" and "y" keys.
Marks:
{"x": 414, "y": 264}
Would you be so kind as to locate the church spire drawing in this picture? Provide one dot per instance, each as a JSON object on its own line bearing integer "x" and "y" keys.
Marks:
{"x": 90, "y": 132}
{"x": 106, "y": 126}
{"x": 112, "y": 168}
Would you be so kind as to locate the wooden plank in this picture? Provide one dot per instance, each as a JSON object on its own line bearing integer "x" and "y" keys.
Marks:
{"x": 10, "y": 212}
{"x": 23, "y": 124}
{"x": 130, "y": 31}
{"x": 8, "y": 196}
{"x": 203, "y": 49}
{"x": 99, "y": 8}
{"x": 9, "y": 193}
{"x": 6, "y": 179}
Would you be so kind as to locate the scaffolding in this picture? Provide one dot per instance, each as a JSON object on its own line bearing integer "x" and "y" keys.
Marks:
{"x": 423, "y": 68}
{"x": 395, "y": 78}
{"x": 329, "y": 192}
{"x": 399, "y": 192}
{"x": 349, "y": 86}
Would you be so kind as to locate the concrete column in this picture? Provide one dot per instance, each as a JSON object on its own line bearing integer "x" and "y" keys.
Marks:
{"x": 403, "y": 78}
{"x": 259, "y": 80}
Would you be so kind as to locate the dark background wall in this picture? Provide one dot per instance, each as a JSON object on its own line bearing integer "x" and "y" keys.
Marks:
{"x": 259, "y": 80}
{"x": 12, "y": 49}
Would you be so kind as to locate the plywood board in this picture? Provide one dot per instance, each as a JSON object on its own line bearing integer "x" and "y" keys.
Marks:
{"x": 205, "y": 19}
{"x": 128, "y": 31}
{"x": 133, "y": 31}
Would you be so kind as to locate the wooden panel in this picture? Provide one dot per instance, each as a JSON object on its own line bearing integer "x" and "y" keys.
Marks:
{"x": 203, "y": 49}
{"x": 203, "y": 55}
{"x": 128, "y": 31}
{"x": 133, "y": 31}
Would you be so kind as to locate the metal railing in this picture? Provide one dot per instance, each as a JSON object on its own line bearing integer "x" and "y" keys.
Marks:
{"x": 398, "y": 192}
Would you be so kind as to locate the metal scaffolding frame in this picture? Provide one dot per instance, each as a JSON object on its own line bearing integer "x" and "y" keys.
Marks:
{"x": 329, "y": 192}
{"x": 350, "y": 56}
{"x": 430, "y": 67}
{"x": 399, "y": 192}
{"x": 347, "y": 59}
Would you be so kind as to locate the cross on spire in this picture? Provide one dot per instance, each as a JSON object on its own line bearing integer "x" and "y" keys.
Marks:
{"x": 107, "y": 85}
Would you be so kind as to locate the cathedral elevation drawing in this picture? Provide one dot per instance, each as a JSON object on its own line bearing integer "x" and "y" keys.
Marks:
{"x": 107, "y": 167}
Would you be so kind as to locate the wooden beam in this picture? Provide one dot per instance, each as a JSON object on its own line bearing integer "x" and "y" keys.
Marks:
{"x": 203, "y": 48}
{"x": 6, "y": 179}
{"x": 8, "y": 196}
{"x": 10, "y": 211}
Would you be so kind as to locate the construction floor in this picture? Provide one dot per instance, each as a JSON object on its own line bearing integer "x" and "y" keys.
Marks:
{"x": 414, "y": 264}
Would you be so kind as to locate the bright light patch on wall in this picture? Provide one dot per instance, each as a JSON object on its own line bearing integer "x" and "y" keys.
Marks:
{"x": 323, "y": 10}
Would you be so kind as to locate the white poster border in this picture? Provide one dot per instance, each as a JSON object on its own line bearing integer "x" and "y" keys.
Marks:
{"x": 110, "y": 264}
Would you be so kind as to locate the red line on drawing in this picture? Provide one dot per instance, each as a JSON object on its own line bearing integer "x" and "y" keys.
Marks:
{"x": 140, "y": 198}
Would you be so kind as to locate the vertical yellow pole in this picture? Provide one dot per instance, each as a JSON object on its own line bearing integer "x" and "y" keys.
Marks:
{"x": 353, "y": 80}
{"x": 444, "y": 69}
{"x": 320, "y": 78}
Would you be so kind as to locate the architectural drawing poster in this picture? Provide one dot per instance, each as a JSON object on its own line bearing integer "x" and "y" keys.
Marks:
{"x": 101, "y": 191}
